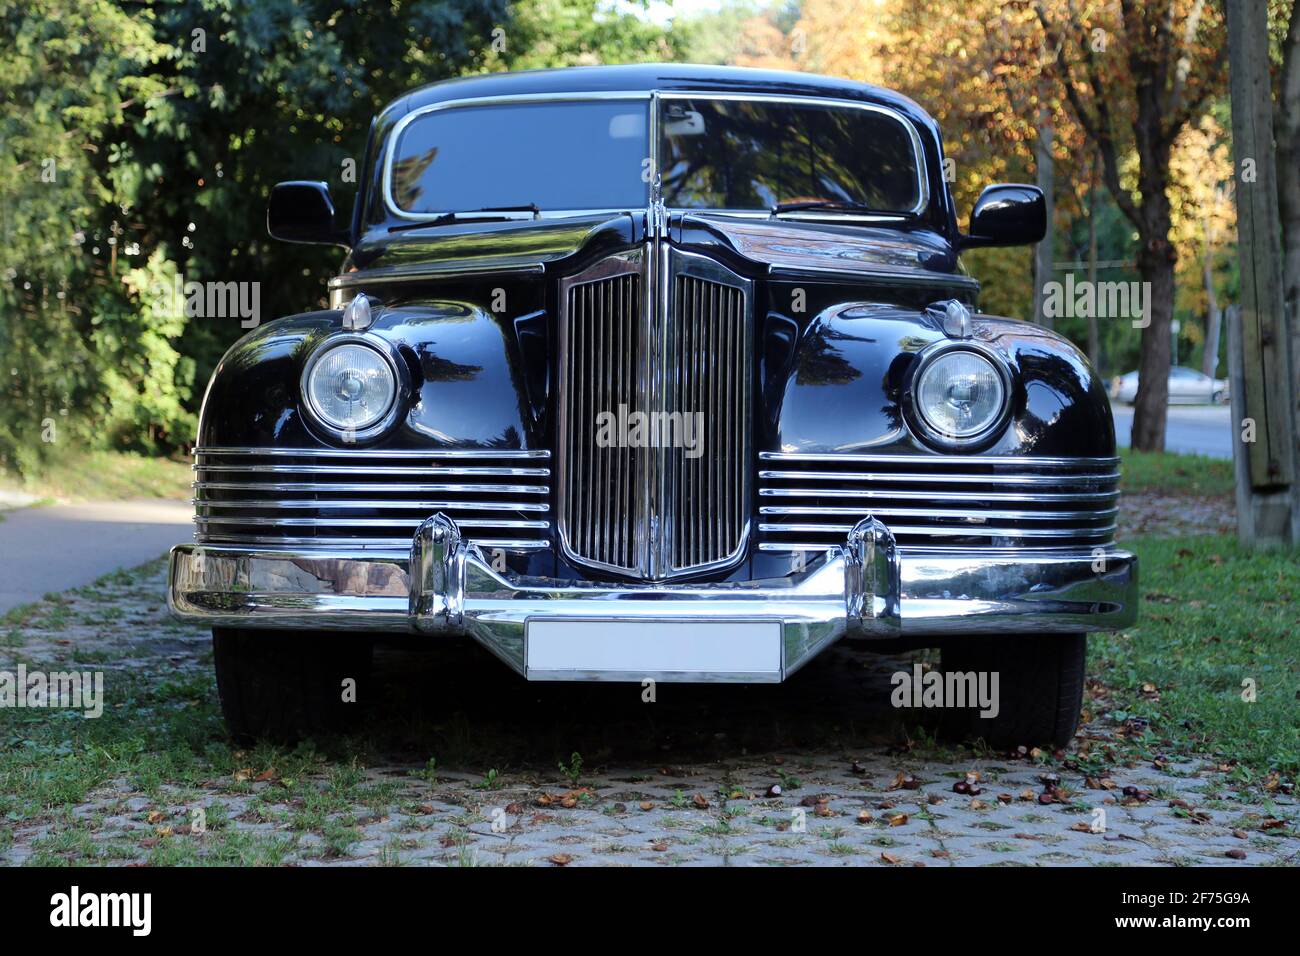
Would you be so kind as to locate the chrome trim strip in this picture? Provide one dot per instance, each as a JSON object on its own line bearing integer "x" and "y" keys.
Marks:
{"x": 924, "y": 478}
{"x": 974, "y": 519}
{"x": 947, "y": 531}
{"x": 363, "y": 522}
{"x": 369, "y": 547}
{"x": 372, "y": 470}
{"x": 341, "y": 487}
{"x": 940, "y": 497}
{"x": 359, "y": 503}
{"x": 938, "y": 459}
{"x": 872, "y": 276}
{"x": 371, "y": 453}
{"x": 367, "y": 277}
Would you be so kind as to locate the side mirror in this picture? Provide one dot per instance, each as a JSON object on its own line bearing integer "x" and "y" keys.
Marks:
{"x": 1007, "y": 215}
{"x": 303, "y": 212}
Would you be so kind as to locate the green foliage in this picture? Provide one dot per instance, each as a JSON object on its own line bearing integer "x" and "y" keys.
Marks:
{"x": 163, "y": 128}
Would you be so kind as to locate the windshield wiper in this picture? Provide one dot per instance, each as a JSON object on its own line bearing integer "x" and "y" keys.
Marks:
{"x": 466, "y": 215}
{"x": 838, "y": 205}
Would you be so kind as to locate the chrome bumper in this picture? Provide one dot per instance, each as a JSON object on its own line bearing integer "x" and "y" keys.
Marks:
{"x": 866, "y": 588}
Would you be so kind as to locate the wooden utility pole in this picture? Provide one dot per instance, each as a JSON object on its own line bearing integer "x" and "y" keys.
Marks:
{"x": 1268, "y": 511}
{"x": 1046, "y": 182}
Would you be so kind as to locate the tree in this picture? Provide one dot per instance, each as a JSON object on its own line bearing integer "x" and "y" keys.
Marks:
{"x": 1136, "y": 82}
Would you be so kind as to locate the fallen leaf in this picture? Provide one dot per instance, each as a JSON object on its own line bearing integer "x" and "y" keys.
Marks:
{"x": 1241, "y": 834}
{"x": 978, "y": 805}
{"x": 701, "y": 801}
{"x": 515, "y": 808}
{"x": 898, "y": 820}
{"x": 1272, "y": 824}
{"x": 265, "y": 775}
{"x": 560, "y": 859}
{"x": 890, "y": 858}
{"x": 1082, "y": 827}
{"x": 157, "y": 816}
{"x": 647, "y": 805}
{"x": 245, "y": 774}
{"x": 659, "y": 846}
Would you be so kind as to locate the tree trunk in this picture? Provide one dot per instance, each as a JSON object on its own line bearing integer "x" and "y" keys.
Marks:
{"x": 1286, "y": 116}
{"x": 1044, "y": 251}
{"x": 1094, "y": 334}
{"x": 1287, "y": 133}
{"x": 1156, "y": 261}
{"x": 1213, "y": 317}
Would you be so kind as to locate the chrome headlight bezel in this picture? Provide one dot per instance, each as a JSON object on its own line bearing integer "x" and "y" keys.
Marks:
{"x": 937, "y": 437}
{"x": 391, "y": 415}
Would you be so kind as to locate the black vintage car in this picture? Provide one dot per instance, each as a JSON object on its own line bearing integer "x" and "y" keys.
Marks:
{"x": 653, "y": 373}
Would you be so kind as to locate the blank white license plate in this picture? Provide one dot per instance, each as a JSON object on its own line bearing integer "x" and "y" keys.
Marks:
{"x": 664, "y": 650}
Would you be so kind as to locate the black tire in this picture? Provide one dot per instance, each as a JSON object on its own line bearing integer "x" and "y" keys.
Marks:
{"x": 284, "y": 686}
{"x": 1040, "y": 687}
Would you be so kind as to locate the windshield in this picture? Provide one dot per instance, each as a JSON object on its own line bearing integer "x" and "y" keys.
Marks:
{"x": 742, "y": 154}
{"x": 560, "y": 156}
{"x": 715, "y": 153}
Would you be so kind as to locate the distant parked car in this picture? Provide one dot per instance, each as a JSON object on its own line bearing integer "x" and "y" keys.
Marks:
{"x": 1186, "y": 387}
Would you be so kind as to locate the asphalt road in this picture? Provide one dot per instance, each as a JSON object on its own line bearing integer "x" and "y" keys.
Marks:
{"x": 1191, "y": 429}
{"x": 69, "y": 545}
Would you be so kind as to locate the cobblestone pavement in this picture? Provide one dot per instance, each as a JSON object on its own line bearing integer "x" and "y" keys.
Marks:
{"x": 460, "y": 765}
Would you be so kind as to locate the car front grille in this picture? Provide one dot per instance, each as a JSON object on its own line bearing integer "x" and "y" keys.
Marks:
{"x": 370, "y": 498}
{"x": 654, "y": 508}
{"x": 809, "y": 502}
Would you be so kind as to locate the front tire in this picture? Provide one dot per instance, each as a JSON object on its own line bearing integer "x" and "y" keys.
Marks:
{"x": 1040, "y": 686}
{"x": 284, "y": 686}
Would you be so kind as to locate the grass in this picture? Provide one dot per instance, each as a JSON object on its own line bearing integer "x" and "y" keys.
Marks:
{"x": 1213, "y": 616}
{"x": 107, "y": 475}
{"x": 1170, "y": 474}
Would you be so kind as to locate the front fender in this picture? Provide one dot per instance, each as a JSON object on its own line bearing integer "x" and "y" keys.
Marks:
{"x": 838, "y": 384}
{"x": 469, "y": 378}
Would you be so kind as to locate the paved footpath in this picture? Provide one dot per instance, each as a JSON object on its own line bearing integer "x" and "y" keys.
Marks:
{"x": 64, "y": 546}
{"x": 821, "y": 770}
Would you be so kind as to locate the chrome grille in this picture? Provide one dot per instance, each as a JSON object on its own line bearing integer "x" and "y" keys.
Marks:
{"x": 599, "y": 349}
{"x": 654, "y": 510}
{"x": 809, "y": 502}
{"x": 710, "y": 348}
{"x": 370, "y": 498}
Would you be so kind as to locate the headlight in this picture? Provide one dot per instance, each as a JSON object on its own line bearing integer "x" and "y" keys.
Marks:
{"x": 350, "y": 387}
{"x": 960, "y": 394}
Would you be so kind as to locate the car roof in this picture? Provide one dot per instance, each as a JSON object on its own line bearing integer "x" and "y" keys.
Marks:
{"x": 647, "y": 77}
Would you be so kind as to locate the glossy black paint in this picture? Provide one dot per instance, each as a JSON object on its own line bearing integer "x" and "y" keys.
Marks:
{"x": 1007, "y": 214}
{"x": 301, "y": 211}
{"x": 840, "y": 312}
